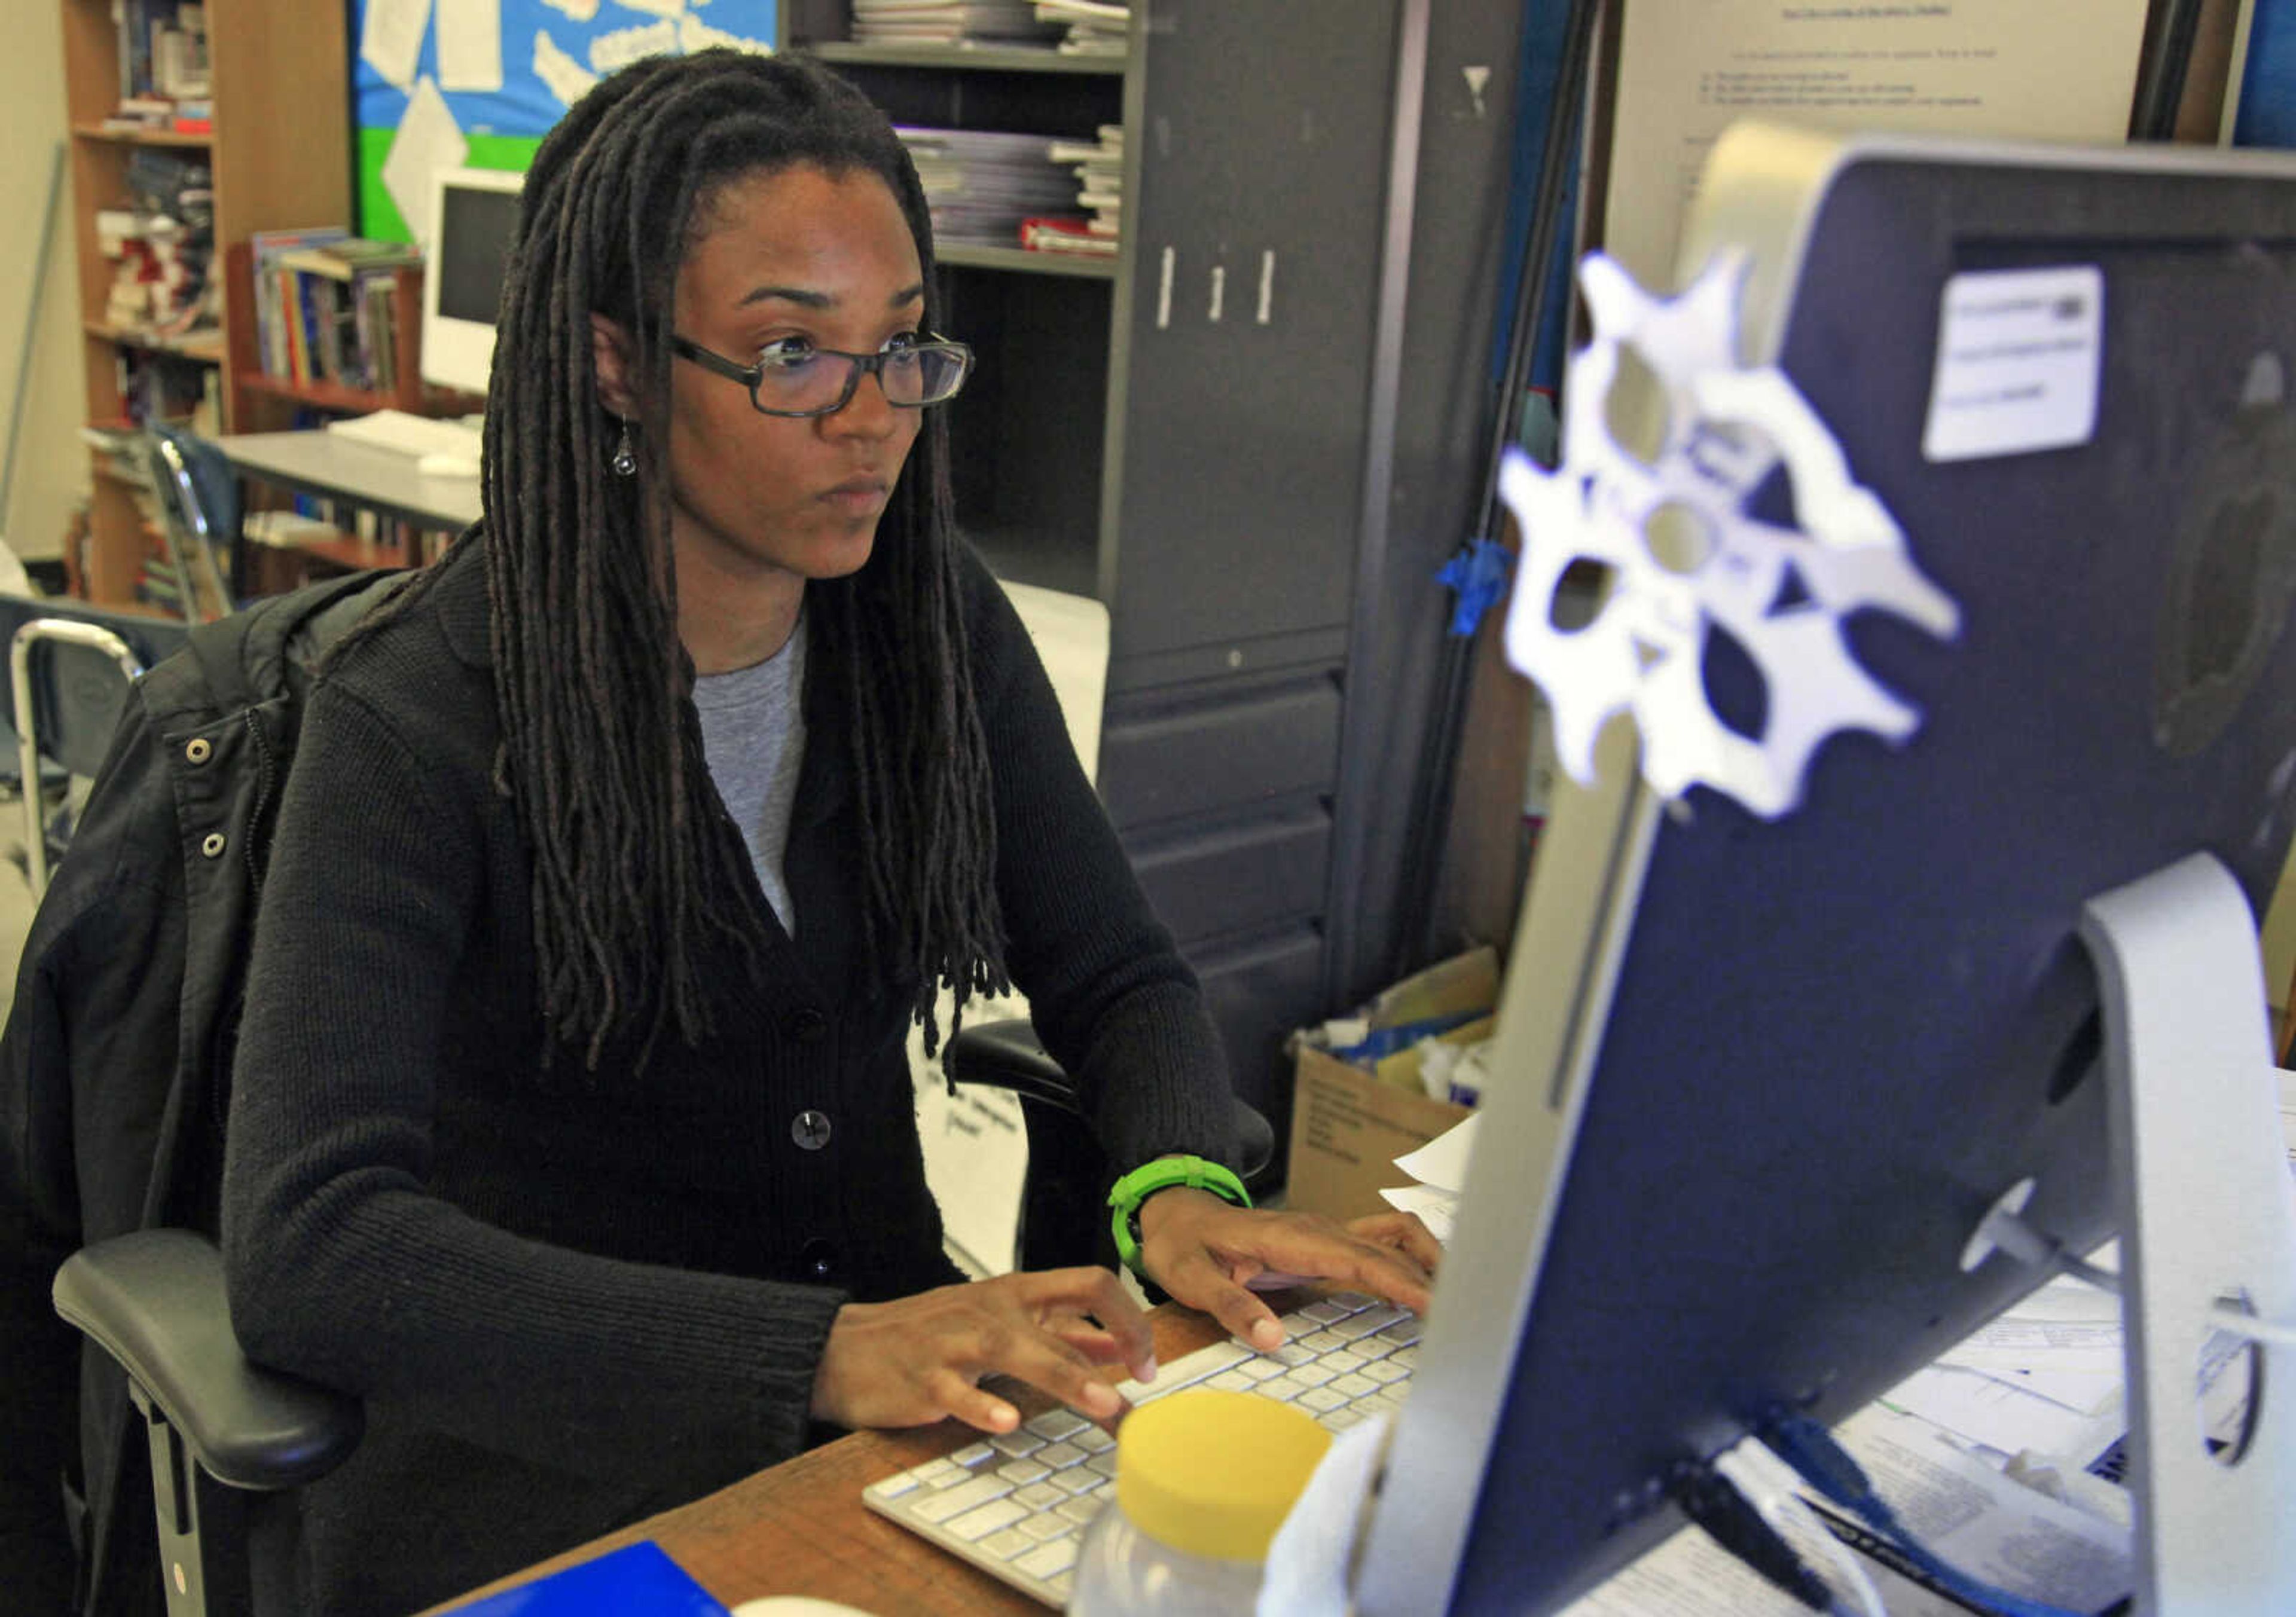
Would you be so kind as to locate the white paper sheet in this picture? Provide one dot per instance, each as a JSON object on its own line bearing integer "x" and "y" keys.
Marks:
{"x": 623, "y": 46}
{"x": 566, "y": 78}
{"x": 470, "y": 45}
{"x": 580, "y": 10}
{"x": 429, "y": 140}
{"x": 391, "y": 39}
{"x": 1442, "y": 1161}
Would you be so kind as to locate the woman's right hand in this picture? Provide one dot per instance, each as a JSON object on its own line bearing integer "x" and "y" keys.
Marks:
{"x": 916, "y": 1360}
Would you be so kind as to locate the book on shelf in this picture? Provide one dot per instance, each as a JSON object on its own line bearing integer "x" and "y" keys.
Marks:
{"x": 1067, "y": 234}
{"x": 1095, "y": 28}
{"x": 343, "y": 258}
{"x": 952, "y": 22}
{"x": 980, "y": 184}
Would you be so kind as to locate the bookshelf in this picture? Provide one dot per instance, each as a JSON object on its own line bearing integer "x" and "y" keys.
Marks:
{"x": 277, "y": 149}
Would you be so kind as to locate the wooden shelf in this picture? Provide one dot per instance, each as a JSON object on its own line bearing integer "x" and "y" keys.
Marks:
{"x": 977, "y": 57}
{"x": 1077, "y": 265}
{"x": 125, "y": 136}
{"x": 203, "y": 348}
{"x": 279, "y": 161}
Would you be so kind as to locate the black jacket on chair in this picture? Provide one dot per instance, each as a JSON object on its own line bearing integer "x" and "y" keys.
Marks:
{"x": 114, "y": 1066}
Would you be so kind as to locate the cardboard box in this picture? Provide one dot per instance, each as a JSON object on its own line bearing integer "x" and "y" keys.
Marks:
{"x": 1348, "y": 1128}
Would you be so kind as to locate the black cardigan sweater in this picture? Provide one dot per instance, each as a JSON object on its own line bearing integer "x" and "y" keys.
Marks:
{"x": 571, "y": 1301}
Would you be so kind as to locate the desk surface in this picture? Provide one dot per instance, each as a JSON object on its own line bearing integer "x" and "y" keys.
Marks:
{"x": 319, "y": 462}
{"x": 800, "y": 1528}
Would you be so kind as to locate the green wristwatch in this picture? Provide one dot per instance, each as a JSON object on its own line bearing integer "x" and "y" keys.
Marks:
{"x": 1166, "y": 1172}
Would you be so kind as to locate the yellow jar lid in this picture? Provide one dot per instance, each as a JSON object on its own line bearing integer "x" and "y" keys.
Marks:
{"x": 1214, "y": 1473}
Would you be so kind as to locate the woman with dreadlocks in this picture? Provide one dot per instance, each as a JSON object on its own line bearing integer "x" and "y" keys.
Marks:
{"x": 571, "y": 1125}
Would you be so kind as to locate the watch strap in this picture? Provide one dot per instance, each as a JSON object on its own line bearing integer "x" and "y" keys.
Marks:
{"x": 1164, "y": 1173}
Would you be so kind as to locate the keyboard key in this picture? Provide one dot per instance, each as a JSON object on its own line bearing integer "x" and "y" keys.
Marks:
{"x": 1353, "y": 1301}
{"x": 1049, "y": 1560}
{"x": 1007, "y": 1544}
{"x": 1044, "y": 1529}
{"x": 1384, "y": 1403}
{"x": 1283, "y": 1389}
{"x": 1259, "y": 1369}
{"x": 1016, "y": 1444}
{"x": 1298, "y": 1324}
{"x": 1343, "y": 1362}
{"x": 1079, "y": 1511}
{"x": 976, "y": 1454}
{"x": 1054, "y": 1425}
{"x": 1322, "y": 1401}
{"x": 1322, "y": 1342}
{"x": 1338, "y": 1420}
{"x": 956, "y": 1501}
{"x": 1386, "y": 1371}
{"x": 1404, "y": 1332}
{"x": 1323, "y": 1312}
{"x": 1021, "y": 1473}
{"x": 1186, "y": 1370}
{"x": 1367, "y": 1322}
{"x": 1040, "y": 1496}
{"x": 1058, "y": 1457}
{"x": 933, "y": 1471}
{"x": 1311, "y": 1374}
{"x": 1408, "y": 1357}
{"x": 1291, "y": 1353}
{"x": 980, "y": 1523}
{"x": 1354, "y": 1386}
{"x": 894, "y": 1487}
{"x": 1232, "y": 1381}
{"x": 1094, "y": 1440}
{"x": 1104, "y": 1465}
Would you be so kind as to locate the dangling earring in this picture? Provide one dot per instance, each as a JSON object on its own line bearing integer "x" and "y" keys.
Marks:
{"x": 625, "y": 460}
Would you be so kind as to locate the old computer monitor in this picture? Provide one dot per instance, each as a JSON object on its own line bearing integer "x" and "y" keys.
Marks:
{"x": 473, "y": 212}
{"x": 1761, "y": 1079}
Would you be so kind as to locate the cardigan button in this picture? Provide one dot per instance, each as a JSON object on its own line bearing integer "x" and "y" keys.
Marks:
{"x": 817, "y": 1259}
{"x": 805, "y": 1025}
{"x": 810, "y": 1128}
{"x": 198, "y": 750}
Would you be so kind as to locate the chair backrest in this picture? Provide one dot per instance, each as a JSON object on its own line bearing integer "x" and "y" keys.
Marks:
{"x": 69, "y": 667}
{"x": 199, "y": 504}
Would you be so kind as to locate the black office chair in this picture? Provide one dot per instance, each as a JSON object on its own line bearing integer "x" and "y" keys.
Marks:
{"x": 230, "y": 1439}
{"x": 69, "y": 667}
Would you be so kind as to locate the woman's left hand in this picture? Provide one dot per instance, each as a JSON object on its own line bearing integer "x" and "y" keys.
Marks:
{"x": 1206, "y": 1251}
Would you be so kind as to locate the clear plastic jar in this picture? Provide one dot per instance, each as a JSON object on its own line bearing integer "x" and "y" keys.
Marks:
{"x": 1204, "y": 1479}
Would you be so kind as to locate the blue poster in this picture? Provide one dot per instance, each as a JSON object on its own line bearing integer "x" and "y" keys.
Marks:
{"x": 481, "y": 80}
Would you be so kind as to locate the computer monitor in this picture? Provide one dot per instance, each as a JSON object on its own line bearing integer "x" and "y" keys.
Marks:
{"x": 1758, "y": 1079}
{"x": 472, "y": 212}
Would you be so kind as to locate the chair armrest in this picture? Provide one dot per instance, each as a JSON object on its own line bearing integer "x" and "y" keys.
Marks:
{"x": 154, "y": 1301}
{"x": 1008, "y": 1055}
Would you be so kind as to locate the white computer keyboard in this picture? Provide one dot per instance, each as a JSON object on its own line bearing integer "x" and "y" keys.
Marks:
{"x": 1017, "y": 1506}
{"x": 412, "y": 435}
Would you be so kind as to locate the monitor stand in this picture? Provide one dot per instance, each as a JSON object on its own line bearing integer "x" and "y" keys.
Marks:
{"x": 2207, "y": 1213}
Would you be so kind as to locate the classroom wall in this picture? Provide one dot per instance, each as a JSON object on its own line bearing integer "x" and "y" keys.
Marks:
{"x": 50, "y": 473}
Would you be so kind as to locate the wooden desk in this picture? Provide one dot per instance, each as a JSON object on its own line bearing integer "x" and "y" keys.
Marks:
{"x": 800, "y": 1528}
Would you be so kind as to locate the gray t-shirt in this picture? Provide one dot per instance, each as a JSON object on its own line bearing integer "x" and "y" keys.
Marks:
{"x": 753, "y": 740}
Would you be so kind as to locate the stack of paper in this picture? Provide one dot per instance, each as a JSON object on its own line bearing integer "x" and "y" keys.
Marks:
{"x": 1095, "y": 27}
{"x": 981, "y": 186}
{"x": 1439, "y": 1167}
{"x": 945, "y": 22}
{"x": 1098, "y": 166}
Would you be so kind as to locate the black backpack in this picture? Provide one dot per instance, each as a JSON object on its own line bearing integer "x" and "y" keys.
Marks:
{"x": 115, "y": 1066}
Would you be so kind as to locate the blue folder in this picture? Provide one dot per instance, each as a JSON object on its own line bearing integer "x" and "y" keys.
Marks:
{"x": 637, "y": 1581}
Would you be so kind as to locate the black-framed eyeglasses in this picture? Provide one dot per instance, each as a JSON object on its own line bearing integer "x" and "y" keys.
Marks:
{"x": 805, "y": 382}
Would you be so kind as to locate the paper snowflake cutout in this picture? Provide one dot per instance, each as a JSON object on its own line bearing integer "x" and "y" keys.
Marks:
{"x": 1780, "y": 593}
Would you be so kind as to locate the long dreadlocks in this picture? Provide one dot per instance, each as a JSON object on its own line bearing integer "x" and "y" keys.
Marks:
{"x": 601, "y": 750}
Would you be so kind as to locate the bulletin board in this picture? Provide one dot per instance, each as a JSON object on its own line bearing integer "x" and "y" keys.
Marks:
{"x": 476, "y": 83}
